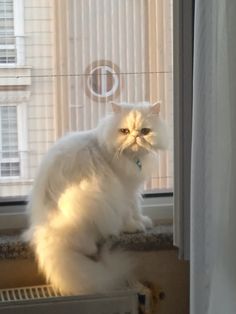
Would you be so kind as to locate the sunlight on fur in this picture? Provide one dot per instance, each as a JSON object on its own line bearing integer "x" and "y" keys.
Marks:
{"x": 88, "y": 189}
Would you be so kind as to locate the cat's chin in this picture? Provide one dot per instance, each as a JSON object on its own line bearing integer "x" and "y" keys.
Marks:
{"x": 136, "y": 150}
{"x": 135, "y": 147}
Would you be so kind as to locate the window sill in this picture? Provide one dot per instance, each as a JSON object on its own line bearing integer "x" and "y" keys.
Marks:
{"x": 14, "y": 180}
{"x": 15, "y": 76}
{"x": 158, "y": 238}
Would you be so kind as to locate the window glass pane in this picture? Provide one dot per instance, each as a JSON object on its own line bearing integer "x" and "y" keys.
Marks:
{"x": 82, "y": 54}
{"x": 7, "y": 25}
{"x": 8, "y": 132}
{"x": 10, "y": 169}
{"x": 6, "y": 9}
{"x": 7, "y": 54}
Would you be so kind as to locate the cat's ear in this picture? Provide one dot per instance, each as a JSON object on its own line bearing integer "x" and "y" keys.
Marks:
{"x": 156, "y": 108}
{"x": 116, "y": 107}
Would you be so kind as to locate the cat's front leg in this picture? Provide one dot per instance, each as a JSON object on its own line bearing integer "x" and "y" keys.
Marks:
{"x": 136, "y": 222}
{"x": 131, "y": 226}
{"x": 138, "y": 216}
{"x": 146, "y": 221}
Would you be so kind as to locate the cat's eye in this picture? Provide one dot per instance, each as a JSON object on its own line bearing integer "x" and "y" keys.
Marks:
{"x": 124, "y": 131}
{"x": 145, "y": 131}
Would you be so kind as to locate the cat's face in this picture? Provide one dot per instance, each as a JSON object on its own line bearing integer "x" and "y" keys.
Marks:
{"x": 136, "y": 129}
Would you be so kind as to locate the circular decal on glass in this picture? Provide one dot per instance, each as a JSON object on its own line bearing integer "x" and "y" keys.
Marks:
{"x": 103, "y": 80}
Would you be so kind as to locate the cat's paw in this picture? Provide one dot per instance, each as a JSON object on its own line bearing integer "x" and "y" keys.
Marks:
{"x": 133, "y": 226}
{"x": 146, "y": 221}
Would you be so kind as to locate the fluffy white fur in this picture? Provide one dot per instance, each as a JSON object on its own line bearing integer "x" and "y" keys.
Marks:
{"x": 87, "y": 189}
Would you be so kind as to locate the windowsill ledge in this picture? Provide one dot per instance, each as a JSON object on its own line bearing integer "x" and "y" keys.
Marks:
{"x": 15, "y": 76}
{"x": 158, "y": 238}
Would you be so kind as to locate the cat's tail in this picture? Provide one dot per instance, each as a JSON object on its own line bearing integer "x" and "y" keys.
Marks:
{"x": 73, "y": 273}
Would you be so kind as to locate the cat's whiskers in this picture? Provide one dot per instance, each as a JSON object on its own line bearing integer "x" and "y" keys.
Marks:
{"x": 145, "y": 144}
{"x": 125, "y": 144}
{"x": 117, "y": 154}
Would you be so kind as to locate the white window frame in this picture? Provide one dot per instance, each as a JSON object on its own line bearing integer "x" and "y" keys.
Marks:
{"x": 22, "y": 142}
{"x": 14, "y": 215}
{"x": 18, "y": 13}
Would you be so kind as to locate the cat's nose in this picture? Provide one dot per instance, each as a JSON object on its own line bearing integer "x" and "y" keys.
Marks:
{"x": 135, "y": 134}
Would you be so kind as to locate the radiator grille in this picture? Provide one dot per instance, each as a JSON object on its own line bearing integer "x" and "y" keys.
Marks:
{"x": 44, "y": 299}
{"x": 28, "y": 293}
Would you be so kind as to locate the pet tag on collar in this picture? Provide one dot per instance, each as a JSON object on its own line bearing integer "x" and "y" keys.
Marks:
{"x": 139, "y": 164}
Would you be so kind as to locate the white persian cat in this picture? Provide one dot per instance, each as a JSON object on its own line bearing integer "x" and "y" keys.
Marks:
{"x": 87, "y": 189}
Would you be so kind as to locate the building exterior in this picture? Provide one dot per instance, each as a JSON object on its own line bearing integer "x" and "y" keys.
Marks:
{"x": 61, "y": 61}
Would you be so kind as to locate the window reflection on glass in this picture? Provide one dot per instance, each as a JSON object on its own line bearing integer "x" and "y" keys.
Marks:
{"x": 61, "y": 62}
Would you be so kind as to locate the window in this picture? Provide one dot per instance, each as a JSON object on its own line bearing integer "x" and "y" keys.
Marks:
{"x": 10, "y": 164}
{"x": 11, "y": 32}
{"x": 7, "y": 38}
{"x": 82, "y": 54}
{"x": 13, "y": 142}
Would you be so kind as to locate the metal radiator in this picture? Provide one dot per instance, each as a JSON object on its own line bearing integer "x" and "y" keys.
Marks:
{"x": 44, "y": 299}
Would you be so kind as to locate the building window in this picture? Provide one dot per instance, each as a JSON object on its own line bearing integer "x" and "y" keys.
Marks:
{"x": 9, "y": 145}
{"x": 11, "y": 32}
{"x": 7, "y": 36}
